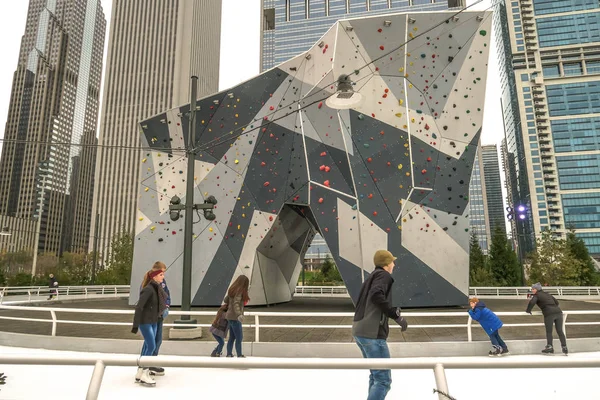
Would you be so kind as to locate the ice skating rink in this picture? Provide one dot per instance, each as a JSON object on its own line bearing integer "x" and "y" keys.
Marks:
{"x": 65, "y": 383}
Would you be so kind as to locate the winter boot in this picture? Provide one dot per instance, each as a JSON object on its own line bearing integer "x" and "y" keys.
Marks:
{"x": 565, "y": 350}
{"x": 146, "y": 379}
{"x": 215, "y": 354}
{"x": 548, "y": 349}
{"x": 505, "y": 352}
{"x": 158, "y": 371}
{"x": 138, "y": 374}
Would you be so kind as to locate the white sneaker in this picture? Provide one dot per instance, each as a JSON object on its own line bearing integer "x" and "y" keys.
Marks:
{"x": 146, "y": 379}
{"x": 138, "y": 374}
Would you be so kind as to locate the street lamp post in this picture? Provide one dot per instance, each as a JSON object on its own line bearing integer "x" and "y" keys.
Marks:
{"x": 43, "y": 170}
{"x": 184, "y": 330}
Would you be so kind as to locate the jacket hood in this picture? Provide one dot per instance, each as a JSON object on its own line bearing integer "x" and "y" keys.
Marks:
{"x": 480, "y": 304}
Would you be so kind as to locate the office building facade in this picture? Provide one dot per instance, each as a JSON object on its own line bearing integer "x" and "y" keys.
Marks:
{"x": 292, "y": 26}
{"x": 493, "y": 187}
{"x": 48, "y": 158}
{"x": 154, "y": 49}
{"x": 479, "y": 223}
{"x": 550, "y": 67}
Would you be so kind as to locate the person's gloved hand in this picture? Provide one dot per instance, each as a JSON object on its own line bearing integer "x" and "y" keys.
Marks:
{"x": 134, "y": 330}
{"x": 400, "y": 320}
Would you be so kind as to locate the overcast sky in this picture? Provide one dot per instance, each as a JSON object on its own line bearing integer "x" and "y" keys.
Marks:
{"x": 240, "y": 49}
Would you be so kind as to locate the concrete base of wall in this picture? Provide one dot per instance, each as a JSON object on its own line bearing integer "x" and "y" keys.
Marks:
{"x": 279, "y": 349}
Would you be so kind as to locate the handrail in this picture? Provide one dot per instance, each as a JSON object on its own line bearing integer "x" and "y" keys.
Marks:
{"x": 42, "y": 291}
{"x": 257, "y": 314}
{"x": 437, "y": 364}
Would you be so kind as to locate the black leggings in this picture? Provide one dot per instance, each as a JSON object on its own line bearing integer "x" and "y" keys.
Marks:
{"x": 556, "y": 319}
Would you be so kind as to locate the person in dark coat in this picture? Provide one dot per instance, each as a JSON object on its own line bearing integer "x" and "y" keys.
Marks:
{"x": 370, "y": 326}
{"x": 219, "y": 328}
{"x": 552, "y": 315}
{"x": 490, "y": 323}
{"x": 150, "y": 307}
{"x": 53, "y": 285}
{"x": 159, "y": 371}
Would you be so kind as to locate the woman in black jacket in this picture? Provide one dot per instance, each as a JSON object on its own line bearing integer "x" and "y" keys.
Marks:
{"x": 150, "y": 307}
{"x": 553, "y": 315}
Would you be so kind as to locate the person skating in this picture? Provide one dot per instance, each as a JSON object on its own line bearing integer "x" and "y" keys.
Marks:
{"x": 370, "y": 326}
{"x": 219, "y": 328}
{"x": 236, "y": 299}
{"x": 552, "y": 315}
{"x": 159, "y": 371}
{"x": 490, "y": 323}
{"x": 53, "y": 285}
{"x": 150, "y": 307}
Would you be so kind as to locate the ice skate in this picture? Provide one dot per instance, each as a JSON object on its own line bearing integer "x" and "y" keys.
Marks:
{"x": 138, "y": 374}
{"x": 565, "y": 350}
{"x": 505, "y": 352}
{"x": 548, "y": 349}
{"x": 215, "y": 354}
{"x": 146, "y": 379}
{"x": 158, "y": 371}
{"x": 495, "y": 352}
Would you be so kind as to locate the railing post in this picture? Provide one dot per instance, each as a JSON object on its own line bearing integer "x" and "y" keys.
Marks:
{"x": 53, "y": 313}
{"x": 68, "y": 287}
{"x": 116, "y": 290}
{"x": 497, "y": 291}
{"x": 564, "y": 323}
{"x": 86, "y": 293}
{"x": 38, "y": 292}
{"x": 29, "y": 294}
{"x": 96, "y": 381}
{"x": 469, "y": 331}
{"x": 440, "y": 382}
{"x": 256, "y": 329}
{"x": 102, "y": 289}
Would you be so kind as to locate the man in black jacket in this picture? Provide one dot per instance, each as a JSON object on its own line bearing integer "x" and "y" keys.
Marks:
{"x": 370, "y": 326}
{"x": 552, "y": 315}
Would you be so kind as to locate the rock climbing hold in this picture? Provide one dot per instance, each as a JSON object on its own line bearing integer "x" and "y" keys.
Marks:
{"x": 321, "y": 200}
{"x": 266, "y": 184}
{"x": 326, "y": 183}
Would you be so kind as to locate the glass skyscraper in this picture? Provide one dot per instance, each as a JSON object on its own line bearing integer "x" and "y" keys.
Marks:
{"x": 493, "y": 186}
{"x": 479, "y": 223}
{"x": 549, "y": 53}
{"x": 48, "y": 159}
{"x": 292, "y": 26}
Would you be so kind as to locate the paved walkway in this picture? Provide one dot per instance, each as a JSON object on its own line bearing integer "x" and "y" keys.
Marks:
{"x": 305, "y": 335}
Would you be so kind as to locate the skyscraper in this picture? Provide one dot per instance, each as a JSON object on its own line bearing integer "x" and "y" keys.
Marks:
{"x": 493, "y": 187}
{"x": 292, "y": 26}
{"x": 154, "y": 49}
{"x": 479, "y": 223}
{"x": 550, "y": 66}
{"x": 48, "y": 158}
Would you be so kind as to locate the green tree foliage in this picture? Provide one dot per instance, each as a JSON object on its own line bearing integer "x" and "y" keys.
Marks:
{"x": 120, "y": 260}
{"x": 328, "y": 274}
{"x": 503, "y": 261}
{"x": 559, "y": 262}
{"x": 587, "y": 275}
{"x": 479, "y": 273}
{"x": 16, "y": 262}
{"x": 2, "y": 277}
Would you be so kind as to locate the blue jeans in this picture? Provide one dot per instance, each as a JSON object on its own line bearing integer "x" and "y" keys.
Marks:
{"x": 497, "y": 341}
{"x": 380, "y": 380}
{"x": 220, "y": 343}
{"x": 235, "y": 335}
{"x": 149, "y": 333}
{"x": 158, "y": 338}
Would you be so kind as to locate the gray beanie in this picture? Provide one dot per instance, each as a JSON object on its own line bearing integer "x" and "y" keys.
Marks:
{"x": 537, "y": 286}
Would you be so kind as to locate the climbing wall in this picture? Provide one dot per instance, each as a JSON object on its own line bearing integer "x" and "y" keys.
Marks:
{"x": 392, "y": 173}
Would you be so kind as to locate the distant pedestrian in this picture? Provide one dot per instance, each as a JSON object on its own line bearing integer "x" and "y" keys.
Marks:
{"x": 159, "y": 371}
{"x": 219, "y": 328}
{"x": 53, "y": 285}
{"x": 150, "y": 307}
{"x": 490, "y": 323}
{"x": 552, "y": 315}
{"x": 370, "y": 327}
{"x": 236, "y": 299}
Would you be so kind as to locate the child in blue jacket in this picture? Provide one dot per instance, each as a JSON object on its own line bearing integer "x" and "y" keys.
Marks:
{"x": 490, "y": 323}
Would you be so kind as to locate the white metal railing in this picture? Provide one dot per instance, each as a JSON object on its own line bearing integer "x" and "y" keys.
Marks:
{"x": 514, "y": 291}
{"x": 33, "y": 292}
{"x": 522, "y": 291}
{"x": 438, "y": 364}
{"x": 257, "y": 325}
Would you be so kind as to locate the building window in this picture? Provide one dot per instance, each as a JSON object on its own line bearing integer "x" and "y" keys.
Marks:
{"x": 593, "y": 67}
{"x": 524, "y": 77}
{"x": 569, "y": 29}
{"x": 551, "y": 71}
{"x": 573, "y": 69}
{"x": 268, "y": 19}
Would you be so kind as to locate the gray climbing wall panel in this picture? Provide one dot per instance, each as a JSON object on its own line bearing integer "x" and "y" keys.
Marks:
{"x": 391, "y": 173}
